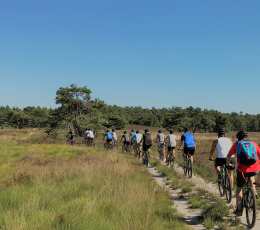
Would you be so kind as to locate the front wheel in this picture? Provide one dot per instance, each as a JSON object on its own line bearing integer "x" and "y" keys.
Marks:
{"x": 228, "y": 188}
{"x": 250, "y": 203}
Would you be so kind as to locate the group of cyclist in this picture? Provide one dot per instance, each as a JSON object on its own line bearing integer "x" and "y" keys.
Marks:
{"x": 247, "y": 152}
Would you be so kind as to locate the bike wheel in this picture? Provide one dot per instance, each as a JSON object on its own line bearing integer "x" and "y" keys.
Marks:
{"x": 228, "y": 188}
{"x": 146, "y": 159}
{"x": 68, "y": 142}
{"x": 250, "y": 203}
{"x": 185, "y": 169}
{"x": 221, "y": 188}
{"x": 189, "y": 168}
{"x": 171, "y": 161}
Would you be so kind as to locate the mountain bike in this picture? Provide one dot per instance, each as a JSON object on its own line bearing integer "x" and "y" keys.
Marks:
{"x": 188, "y": 168}
{"x": 224, "y": 186}
{"x": 89, "y": 143}
{"x": 160, "y": 151}
{"x": 137, "y": 150}
{"x": 108, "y": 146}
{"x": 170, "y": 159}
{"x": 70, "y": 142}
{"x": 115, "y": 145}
{"x": 249, "y": 202}
{"x": 126, "y": 148}
{"x": 146, "y": 159}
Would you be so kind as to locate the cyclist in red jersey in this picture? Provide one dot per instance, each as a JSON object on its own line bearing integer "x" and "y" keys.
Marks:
{"x": 243, "y": 169}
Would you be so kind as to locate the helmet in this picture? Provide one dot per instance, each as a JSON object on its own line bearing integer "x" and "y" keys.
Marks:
{"x": 241, "y": 134}
{"x": 72, "y": 131}
{"x": 137, "y": 131}
{"x": 221, "y": 131}
{"x": 146, "y": 130}
{"x": 124, "y": 132}
{"x": 160, "y": 131}
{"x": 171, "y": 131}
{"x": 186, "y": 129}
{"x": 132, "y": 130}
{"x": 107, "y": 130}
{"x": 113, "y": 130}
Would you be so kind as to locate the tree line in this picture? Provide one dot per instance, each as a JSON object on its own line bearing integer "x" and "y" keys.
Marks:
{"x": 76, "y": 107}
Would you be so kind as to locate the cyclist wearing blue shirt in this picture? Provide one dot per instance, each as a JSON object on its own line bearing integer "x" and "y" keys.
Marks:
{"x": 189, "y": 145}
{"x": 132, "y": 138}
{"x": 109, "y": 136}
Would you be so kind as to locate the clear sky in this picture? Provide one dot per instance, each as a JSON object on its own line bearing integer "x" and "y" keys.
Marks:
{"x": 200, "y": 53}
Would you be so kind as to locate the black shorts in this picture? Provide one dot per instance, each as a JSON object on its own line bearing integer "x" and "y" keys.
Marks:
{"x": 146, "y": 147}
{"x": 189, "y": 150}
{"x": 170, "y": 148}
{"x": 240, "y": 179}
{"x": 222, "y": 161}
{"x": 126, "y": 142}
{"x": 109, "y": 140}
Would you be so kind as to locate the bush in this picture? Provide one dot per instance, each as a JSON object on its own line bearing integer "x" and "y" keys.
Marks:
{"x": 52, "y": 133}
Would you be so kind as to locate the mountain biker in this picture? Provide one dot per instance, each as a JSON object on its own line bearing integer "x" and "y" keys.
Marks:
{"x": 137, "y": 139}
{"x": 147, "y": 140}
{"x": 248, "y": 165}
{"x": 172, "y": 142}
{"x": 189, "y": 145}
{"x": 126, "y": 139}
{"x": 71, "y": 134}
{"x": 109, "y": 137}
{"x": 114, "y": 136}
{"x": 132, "y": 136}
{"x": 223, "y": 144}
{"x": 161, "y": 140}
{"x": 90, "y": 135}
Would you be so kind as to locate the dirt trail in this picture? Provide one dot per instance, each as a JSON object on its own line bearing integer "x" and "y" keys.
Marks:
{"x": 191, "y": 215}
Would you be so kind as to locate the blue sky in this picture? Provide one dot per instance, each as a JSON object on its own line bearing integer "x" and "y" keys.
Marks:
{"x": 203, "y": 53}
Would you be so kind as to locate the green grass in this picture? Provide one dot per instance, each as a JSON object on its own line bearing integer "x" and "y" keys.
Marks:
{"x": 62, "y": 187}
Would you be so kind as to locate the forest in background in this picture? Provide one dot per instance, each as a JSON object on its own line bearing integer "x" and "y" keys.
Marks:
{"x": 76, "y": 109}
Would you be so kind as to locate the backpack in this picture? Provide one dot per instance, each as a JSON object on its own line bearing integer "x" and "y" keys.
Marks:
{"x": 246, "y": 153}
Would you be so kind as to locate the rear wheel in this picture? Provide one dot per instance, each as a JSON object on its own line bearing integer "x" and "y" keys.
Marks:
{"x": 146, "y": 159}
{"x": 250, "y": 203}
{"x": 189, "y": 168}
{"x": 171, "y": 160}
{"x": 68, "y": 142}
{"x": 221, "y": 188}
{"x": 228, "y": 188}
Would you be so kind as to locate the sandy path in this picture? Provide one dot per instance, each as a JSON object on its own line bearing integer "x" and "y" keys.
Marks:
{"x": 191, "y": 215}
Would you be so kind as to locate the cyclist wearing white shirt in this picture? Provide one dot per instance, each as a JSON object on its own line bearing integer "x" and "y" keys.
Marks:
{"x": 137, "y": 138}
{"x": 172, "y": 142}
{"x": 114, "y": 136}
{"x": 223, "y": 144}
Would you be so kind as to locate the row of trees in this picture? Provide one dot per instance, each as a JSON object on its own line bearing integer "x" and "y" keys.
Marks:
{"x": 77, "y": 108}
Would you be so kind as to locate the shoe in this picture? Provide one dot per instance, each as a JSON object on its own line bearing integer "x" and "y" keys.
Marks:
{"x": 238, "y": 212}
{"x": 219, "y": 178}
{"x": 256, "y": 195}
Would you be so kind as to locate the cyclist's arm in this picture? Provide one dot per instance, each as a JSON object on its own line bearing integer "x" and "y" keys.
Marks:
{"x": 213, "y": 147}
{"x": 231, "y": 152}
{"x": 180, "y": 144}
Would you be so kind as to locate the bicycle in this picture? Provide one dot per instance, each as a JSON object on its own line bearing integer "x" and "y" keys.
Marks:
{"x": 70, "y": 142}
{"x": 115, "y": 145}
{"x": 137, "y": 150}
{"x": 249, "y": 202}
{"x": 160, "y": 151}
{"x": 224, "y": 186}
{"x": 170, "y": 159}
{"x": 89, "y": 143}
{"x": 108, "y": 146}
{"x": 126, "y": 148}
{"x": 188, "y": 168}
{"x": 146, "y": 159}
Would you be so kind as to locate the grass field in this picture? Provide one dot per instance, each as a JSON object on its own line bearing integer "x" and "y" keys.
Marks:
{"x": 53, "y": 186}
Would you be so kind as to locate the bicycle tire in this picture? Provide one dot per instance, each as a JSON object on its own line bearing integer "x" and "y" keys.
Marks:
{"x": 68, "y": 142}
{"x": 221, "y": 188}
{"x": 185, "y": 168}
{"x": 228, "y": 188}
{"x": 189, "y": 165}
{"x": 250, "y": 203}
{"x": 146, "y": 159}
{"x": 172, "y": 160}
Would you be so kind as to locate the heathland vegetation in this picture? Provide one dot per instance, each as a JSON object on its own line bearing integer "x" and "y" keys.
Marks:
{"x": 77, "y": 110}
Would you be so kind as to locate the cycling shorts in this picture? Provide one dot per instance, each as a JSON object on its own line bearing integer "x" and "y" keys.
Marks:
{"x": 126, "y": 143}
{"x": 146, "y": 147}
{"x": 189, "y": 150}
{"x": 241, "y": 180}
{"x": 161, "y": 143}
{"x": 170, "y": 148}
{"x": 222, "y": 161}
{"x": 109, "y": 140}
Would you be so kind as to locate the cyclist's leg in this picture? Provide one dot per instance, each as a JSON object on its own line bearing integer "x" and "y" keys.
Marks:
{"x": 239, "y": 193}
{"x": 185, "y": 152}
{"x": 163, "y": 149}
{"x": 191, "y": 152}
{"x": 173, "y": 152}
{"x": 231, "y": 173}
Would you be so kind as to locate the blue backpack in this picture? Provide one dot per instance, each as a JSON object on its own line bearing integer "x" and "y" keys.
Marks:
{"x": 246, "y": 153}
